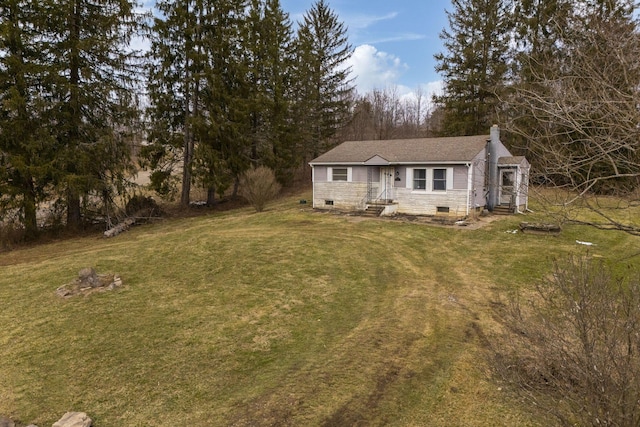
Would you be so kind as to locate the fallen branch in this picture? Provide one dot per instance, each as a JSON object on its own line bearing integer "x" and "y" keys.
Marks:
{"x": 119, "y": 228}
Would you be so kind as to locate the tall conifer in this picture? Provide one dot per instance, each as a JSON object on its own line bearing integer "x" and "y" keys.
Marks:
{"x": 473, "y": 65}
{"x": 25, "y": 141}
{"x": 270, "y": 53}
{"x": 324, "y": 86}
{"x": 93, "y": 75}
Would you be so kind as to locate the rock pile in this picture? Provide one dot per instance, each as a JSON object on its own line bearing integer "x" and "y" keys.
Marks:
{"x": 89, "y": 281}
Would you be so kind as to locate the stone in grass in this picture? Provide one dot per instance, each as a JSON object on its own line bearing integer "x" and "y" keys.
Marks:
{"x": 6, "y": 422}
{"x": 74, "y": 419}
{"x": 88, "y": 278}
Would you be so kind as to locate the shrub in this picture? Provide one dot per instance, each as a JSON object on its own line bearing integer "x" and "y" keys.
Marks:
{"x": 141, "y": 206}
{"x": 258, "y": 186}
{"x": 573, "y": 348}
{"x": 11, "y": 233}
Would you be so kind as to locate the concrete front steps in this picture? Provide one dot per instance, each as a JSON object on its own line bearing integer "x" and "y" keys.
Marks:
{"x": 503, "y": 210}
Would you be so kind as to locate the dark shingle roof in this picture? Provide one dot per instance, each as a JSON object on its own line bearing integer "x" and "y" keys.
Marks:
{"x": 419, "y": 150}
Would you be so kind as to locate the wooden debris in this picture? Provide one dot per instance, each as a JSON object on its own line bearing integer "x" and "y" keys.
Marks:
{"x": 540, "y": 228}
{"x": 119, "y": 228}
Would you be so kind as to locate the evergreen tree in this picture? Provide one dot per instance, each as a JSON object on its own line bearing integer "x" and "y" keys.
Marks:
{"x": 324, "y": 86}
{"x": 199, "y": 95}
{"x": 270, "y": 54}
{"x": 474, "y": 65}
{"x": 538, "y": 25}
{"x": 221, "y": 155}
{"x": 174, "y": 73}
{"x": 25, "y": 142}
{"x": 93, "y": 75}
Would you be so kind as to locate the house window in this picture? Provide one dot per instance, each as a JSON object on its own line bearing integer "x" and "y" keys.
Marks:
{"x": 439, "y": 180}
{"x": 419, "y": 179}
{"x": 339, "y": 174}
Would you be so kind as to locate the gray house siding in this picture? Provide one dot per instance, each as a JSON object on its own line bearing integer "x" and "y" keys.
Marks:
{"x": 460, "y": 177}
{"x": 401, "y": 173}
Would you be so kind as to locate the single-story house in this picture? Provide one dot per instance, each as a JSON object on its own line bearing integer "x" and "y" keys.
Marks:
{"x": 423, "y": 176}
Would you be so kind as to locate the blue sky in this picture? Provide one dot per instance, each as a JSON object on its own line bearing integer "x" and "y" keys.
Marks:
{"x": 394, "y": 41}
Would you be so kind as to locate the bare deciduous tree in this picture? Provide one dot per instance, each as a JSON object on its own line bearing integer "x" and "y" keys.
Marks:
{"x": 386, "y": 114}
{"x": 258, "y": 186}
{"x": 573, "y": 347}
{"x": 578, "y": 117}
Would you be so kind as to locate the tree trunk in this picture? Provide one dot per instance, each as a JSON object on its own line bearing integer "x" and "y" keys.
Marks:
{"x": 211, "y": 196}
{"x": 73, "y": 196}
{"x": 29, "y": 209}
{"x": 74, "y": 218}
{"x": 236, "y": 186}
{"x": 188, "y": 150}
{"x": 186, "y": 167}
{"x": 188, "y": 134}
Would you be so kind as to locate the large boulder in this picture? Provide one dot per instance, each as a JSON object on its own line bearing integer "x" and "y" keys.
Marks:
{"x": 74, "y": 419}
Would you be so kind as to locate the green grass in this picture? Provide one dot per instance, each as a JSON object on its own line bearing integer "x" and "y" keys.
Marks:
{"x": 287, "y": 317}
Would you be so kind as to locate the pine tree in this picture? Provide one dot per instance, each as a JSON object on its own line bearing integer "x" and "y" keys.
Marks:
{"x": 538, "y": 24}
{"x": 198, "y": 92}
{"x": 25, "y": 142}
{"x": 270, "y": 55}
{"x": 174, "y": 85}
{"x": 324, "y": 83}
{"x": 93, "y": 75}
{"x": 474, "y": 65}
{"x": 223, "y": 131}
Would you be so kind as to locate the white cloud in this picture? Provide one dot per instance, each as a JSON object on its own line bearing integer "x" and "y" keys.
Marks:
{"x": 433, "y": 88}
{"x": 403, "y": 37}
{"x": 365, "y": 21}
{"x": 373, "y": 69}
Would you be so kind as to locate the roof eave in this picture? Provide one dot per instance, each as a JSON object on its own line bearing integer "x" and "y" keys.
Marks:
{"x": 430, "y": 162}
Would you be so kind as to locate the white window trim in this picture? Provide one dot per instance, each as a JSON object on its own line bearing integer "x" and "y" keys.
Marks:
{"x": 429, "y": 189}
{"x": 349, "y": 173}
